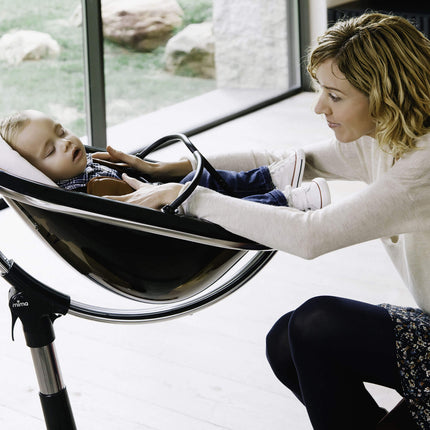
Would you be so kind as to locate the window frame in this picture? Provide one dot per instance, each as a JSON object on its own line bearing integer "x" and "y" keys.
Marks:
{"x": 95, "y": 98}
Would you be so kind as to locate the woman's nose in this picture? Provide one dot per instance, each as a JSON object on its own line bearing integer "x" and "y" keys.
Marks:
{"x": 321, "y": 106}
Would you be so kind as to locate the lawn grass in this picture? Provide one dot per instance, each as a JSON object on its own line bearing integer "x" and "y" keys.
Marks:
{"x": 136, "y": 83}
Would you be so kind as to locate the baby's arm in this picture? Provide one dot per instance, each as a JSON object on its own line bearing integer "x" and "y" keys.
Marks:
{"x": 161, "y": 170}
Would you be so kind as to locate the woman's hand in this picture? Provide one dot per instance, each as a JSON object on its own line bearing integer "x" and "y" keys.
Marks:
{"x": 148, "y": 195}
{"x": 158, "y": 170}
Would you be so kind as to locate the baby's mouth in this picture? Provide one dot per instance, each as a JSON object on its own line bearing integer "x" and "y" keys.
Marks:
{"x": 76, "y": 154}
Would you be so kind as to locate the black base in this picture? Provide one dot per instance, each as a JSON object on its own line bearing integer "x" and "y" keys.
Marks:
{"x": 57, "y": 411}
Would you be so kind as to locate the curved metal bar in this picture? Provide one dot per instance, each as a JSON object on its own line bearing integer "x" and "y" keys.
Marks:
{"x": 175, "y": 309}
{"x": 173, "y": 207}
{"x": 5, "y": 264}
{"x": 166, "y": 140}
{"x": 63, "y": 304}
{"x": 201, "y": 164}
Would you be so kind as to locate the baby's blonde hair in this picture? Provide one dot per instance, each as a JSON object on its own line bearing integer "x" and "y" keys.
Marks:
{"x": 11, "y": 125}
{"x": 387, "y": 59}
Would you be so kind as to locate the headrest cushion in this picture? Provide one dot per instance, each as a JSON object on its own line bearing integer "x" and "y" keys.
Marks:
{"x": 14, "y": 164}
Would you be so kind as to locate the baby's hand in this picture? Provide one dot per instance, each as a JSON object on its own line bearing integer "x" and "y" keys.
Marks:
{"x": 121, "y": 159}
{"x": 161, "y": 170}
{"x": 111, "y": 154}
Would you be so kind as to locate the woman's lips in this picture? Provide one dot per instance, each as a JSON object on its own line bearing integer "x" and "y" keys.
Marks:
{"x": 332, "y": 124}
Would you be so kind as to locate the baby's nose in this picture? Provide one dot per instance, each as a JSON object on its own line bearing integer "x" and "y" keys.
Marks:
{"x": 66, "y": 144}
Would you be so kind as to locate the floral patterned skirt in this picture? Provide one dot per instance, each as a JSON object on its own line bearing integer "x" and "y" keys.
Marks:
{"x": 412, "y": 329}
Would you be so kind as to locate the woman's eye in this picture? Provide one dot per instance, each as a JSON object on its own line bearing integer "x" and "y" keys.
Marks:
{"x": 334, "y": 97}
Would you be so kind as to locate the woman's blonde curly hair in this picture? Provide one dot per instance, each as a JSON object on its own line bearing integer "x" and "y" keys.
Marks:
{"x": 387, "y": 59}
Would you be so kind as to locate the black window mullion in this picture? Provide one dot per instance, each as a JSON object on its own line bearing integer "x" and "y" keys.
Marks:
{"x": 95, "y": 101}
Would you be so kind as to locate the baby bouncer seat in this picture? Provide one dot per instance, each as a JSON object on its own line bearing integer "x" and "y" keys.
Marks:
{"x": 170, "y": 263}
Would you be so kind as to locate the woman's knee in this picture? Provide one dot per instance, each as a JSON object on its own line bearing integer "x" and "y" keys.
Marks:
{"x": 315, "y": 321}
{"x": 312, "y": 326}
{"x": 277, "y": 343}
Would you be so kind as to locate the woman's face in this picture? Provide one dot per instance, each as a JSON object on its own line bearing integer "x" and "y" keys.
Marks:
{"x": 345, "y": 108}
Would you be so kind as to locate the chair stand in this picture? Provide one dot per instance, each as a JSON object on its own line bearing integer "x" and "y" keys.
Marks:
{"x": 37, "y": 315}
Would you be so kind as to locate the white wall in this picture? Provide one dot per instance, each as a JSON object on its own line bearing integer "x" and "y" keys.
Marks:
{"x": 318, "y": 17}
{"x": 251, "y": 47}
{"x": 250, "y": 43}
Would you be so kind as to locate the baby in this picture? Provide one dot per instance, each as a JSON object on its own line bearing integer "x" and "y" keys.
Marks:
{"x": 61, "y": 156}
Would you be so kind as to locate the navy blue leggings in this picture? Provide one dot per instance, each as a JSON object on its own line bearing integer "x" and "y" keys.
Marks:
{"x": 324, "y": 351}
{"x": 255, "y": 185}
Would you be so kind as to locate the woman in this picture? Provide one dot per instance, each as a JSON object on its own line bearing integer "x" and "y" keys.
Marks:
{"x": 373, "y": 74}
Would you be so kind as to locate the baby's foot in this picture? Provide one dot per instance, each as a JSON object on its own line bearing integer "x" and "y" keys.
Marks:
{"x": 289, "y": 171}
{"x": 311, "y": 196}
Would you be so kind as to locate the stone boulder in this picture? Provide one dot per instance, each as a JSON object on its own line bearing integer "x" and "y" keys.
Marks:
{"x": 191, "y": 52}
{"x": 142, "y": 25}
{"x": 21, "y": 45}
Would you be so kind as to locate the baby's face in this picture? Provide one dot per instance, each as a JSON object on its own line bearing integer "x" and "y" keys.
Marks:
{"x": 51, "y": 148}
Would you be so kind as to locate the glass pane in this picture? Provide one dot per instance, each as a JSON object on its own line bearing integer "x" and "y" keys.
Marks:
{"x": 203, "y": 46}
{"x": 137, "y": 81}
{"x": 42, "y": 70}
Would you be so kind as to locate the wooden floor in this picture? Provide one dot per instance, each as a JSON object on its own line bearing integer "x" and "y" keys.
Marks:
{"x": 206, "y": 371}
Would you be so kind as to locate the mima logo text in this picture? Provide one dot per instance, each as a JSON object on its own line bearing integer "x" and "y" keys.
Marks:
{"x": 19, "y": 304}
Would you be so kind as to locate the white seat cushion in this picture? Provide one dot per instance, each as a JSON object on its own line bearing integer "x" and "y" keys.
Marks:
{"x": 13, "y": 163}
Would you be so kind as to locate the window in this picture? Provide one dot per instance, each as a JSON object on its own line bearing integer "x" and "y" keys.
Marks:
{"x": 112, "y": 70}
{"x": 41, "y": 60}
{"x": 255, "y": 57}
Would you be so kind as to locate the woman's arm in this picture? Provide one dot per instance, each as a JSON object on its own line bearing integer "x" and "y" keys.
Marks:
{"x": 381, "y": 209}
{"x": 352, "y": 161}
{"x": 398, "y": 202}
{"x": 149, "y": 195}
{"x": 329, "y": 159}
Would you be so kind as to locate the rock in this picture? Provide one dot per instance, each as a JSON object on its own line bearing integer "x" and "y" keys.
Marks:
{"x": 22, "y": 45}
{"x": 142, "y": 25}
{"x": 76, "y": 18}
{"x": 191, "y": 52}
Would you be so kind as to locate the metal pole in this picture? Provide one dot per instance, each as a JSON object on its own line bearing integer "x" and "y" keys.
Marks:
{"x": 37, "y": 307}
{"x": 37, "y": 317}
{"x": 47, "y": 369}
{"x": 53, "y": 393}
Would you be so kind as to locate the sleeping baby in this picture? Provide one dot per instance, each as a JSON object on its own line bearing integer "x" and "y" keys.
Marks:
{"x": 62, "y": 157}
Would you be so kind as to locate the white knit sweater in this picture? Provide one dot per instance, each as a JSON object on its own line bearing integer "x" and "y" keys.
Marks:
{"x": 395, "y": 206}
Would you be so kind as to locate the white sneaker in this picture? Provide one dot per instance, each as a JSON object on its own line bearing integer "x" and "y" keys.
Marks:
{"x": 311, "y": 196}
{"x": 289, "y": 171}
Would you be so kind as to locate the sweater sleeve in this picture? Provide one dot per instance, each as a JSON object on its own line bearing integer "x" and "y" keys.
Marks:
{"x": 387, "y": 207}
{"x": 242, "y": 161}
{"x": 329, "y": 159}
{"x": 351, "y": 161}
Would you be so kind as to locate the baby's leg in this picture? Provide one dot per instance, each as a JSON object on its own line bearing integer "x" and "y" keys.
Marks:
{"x": 274, "y": 198}
{"x": 241, "y": 184}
